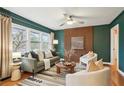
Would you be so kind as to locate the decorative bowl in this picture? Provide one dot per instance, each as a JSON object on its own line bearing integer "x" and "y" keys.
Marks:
{"x": 67, "y": 63}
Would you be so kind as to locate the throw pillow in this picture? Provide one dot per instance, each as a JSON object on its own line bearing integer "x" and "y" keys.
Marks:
{"x": 53, "y": 53}
{"x": 28, "y": 54}
{"x": 34, "y": 55}
{"x": 48, "y": 54}
{"x": 99, "y": 63}
{"x": 92, "y": 67}
{"x": 41, "y": 55}
{"x": 90, "y": 54}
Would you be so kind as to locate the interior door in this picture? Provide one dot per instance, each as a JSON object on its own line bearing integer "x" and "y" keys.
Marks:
{"x": 115, "y": 52}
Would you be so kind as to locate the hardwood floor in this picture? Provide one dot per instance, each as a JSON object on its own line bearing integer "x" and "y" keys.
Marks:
{"x": 117, "y": 80}
{"x": 8, "y": 82}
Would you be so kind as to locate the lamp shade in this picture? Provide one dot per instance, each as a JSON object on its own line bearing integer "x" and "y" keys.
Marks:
{"x": 55, "y": 41}
{"x": 16, "y": 55}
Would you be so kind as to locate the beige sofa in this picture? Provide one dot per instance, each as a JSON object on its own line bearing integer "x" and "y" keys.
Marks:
{"x": 84, "y": 78}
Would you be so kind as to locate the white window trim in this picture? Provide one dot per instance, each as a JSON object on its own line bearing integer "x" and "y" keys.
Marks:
{"x": 29, "y": 30}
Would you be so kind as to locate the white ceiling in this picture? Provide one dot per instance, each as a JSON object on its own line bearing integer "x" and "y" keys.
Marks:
{"x": 52, "y": 17}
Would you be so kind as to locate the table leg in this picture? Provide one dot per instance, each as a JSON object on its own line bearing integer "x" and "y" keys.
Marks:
{"x": 58, "y": 70}
{"x": 72, "y": 70}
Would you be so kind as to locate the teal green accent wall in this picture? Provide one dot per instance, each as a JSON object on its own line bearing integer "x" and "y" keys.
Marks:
{"x": 59, "y": 35}
{"x": 101, "y": 42}
{"x": 24, "y": 22}
{"x": 120, "y": 20}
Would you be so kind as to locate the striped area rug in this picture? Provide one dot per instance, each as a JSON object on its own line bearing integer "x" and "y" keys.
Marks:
{"x": 48, "y": 78}
{"x": 42, "y": 80}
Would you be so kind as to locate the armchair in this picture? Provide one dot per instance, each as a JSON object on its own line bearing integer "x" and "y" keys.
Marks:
{"x": 85, "y": 59}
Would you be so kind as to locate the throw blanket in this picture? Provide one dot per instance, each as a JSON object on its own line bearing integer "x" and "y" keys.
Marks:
{"x": 47, "y": 63}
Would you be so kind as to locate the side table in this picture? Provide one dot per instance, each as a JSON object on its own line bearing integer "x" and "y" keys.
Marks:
{"x": 16, "y": 73}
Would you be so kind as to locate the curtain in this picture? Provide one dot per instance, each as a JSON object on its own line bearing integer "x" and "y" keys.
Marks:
{"x": 52, "y": 38}
{"x": 5, "y": 46}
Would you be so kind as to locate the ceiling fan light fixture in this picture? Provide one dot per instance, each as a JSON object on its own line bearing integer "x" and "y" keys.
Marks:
{"x": 70, "y": 22}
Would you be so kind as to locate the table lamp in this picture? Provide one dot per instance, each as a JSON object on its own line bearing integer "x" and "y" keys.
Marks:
{"x": 55, "y": 42}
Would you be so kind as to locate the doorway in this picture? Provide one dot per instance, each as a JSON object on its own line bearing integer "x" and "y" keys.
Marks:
{"x": 115, "y": 52}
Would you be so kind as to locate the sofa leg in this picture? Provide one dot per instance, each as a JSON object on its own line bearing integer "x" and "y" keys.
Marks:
{"x": 33, "y": 73}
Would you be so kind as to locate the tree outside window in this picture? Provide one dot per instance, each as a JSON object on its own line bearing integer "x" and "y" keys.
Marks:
{"x": 19, "y": 37}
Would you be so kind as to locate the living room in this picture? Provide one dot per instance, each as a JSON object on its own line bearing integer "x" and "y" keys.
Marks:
{"x": 69, "y": 48}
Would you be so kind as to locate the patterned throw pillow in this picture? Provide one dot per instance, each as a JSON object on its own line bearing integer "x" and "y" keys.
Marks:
{"x": 92, "y": 67}
{"x": 99, "y": 63}
{"x": 48, "y": 54}
{"x": 41, "y": 55}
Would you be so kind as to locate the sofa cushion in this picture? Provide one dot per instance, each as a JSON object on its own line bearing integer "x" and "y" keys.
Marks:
{"x": 39, "y": 64}
{"x": 54, "y": 58}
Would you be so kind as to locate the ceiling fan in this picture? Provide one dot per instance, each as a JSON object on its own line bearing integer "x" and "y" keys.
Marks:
{"x": 71, "y": 19}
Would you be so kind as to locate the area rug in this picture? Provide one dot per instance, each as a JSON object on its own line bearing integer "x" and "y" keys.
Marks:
{"x": 52, "y": 71}
{"x": 42, "y": 80}
{"x": 48, "y": 77}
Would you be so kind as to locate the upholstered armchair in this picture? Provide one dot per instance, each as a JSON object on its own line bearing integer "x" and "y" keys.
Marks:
{"x": 86, "y": 59}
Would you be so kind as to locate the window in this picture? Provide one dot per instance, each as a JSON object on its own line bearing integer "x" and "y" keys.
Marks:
{"x": 26, "y": 39}
{"x": 19, "y": 37}
{"x": 45, "y": 40}
{"x": 35, "y": 40}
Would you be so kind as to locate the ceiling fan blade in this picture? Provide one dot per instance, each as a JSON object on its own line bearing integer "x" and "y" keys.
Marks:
{"x": 65, "y": 15}
{"x": 80, "y": 22}
{"x": 62, "y": 24}
{"x": 79, "y": 17}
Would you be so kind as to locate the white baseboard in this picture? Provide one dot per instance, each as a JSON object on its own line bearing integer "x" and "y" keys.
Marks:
{"x": 108, "y": 63}
{"x": 122, "y": 73}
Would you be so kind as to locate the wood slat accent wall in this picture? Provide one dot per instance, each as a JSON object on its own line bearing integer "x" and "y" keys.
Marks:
{"x": 87, "y": 33}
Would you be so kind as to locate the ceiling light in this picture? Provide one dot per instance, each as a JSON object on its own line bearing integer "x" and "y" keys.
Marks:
{"x": 70, "y": 22}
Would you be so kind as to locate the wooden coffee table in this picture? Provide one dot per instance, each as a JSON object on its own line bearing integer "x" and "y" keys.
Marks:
{"x": 60, "y": 66}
